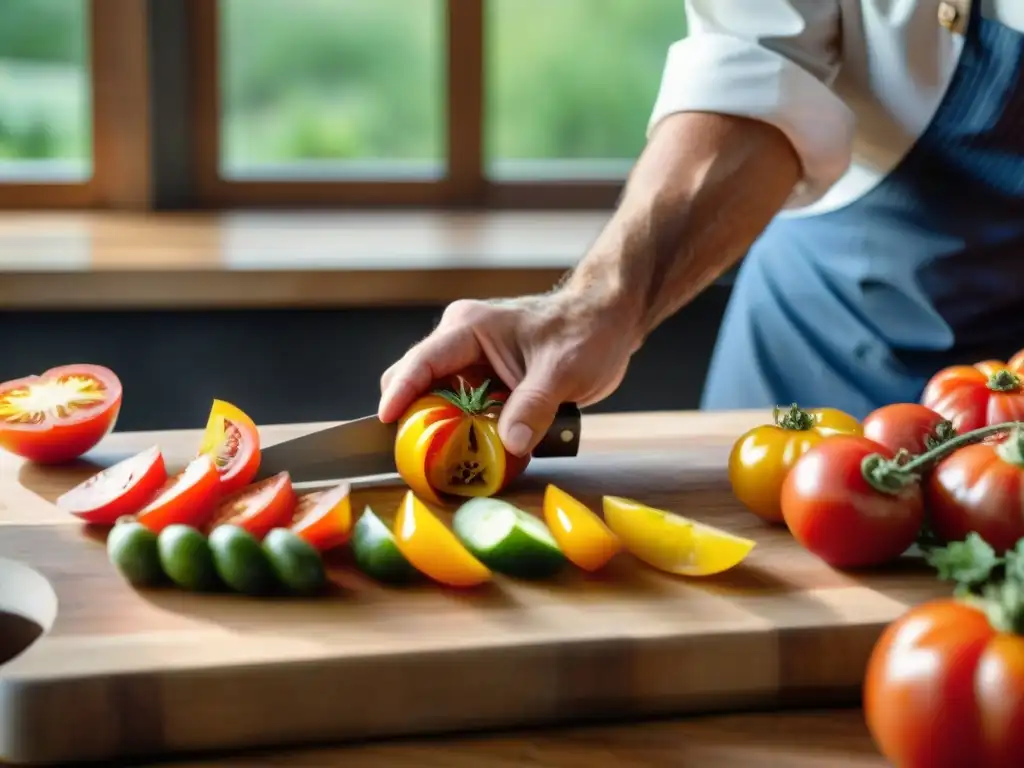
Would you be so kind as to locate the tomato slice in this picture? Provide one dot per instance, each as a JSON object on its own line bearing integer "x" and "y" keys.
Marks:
{"x": 433, "y": 549}
{"x": 324, "y": 519}
{"x": 581, "y": 535}
{"x": 59, "y": 415}
{"x": 122, "y": 489}
{"x": 259, "y": 508}
{"x": 187, "y": 498}
{"x": 671, "y": 542}
{"x": 233, "y": 441}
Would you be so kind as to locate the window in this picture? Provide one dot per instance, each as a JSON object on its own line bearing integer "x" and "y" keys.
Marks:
{"x": 322, "y": 89}
{"x": 236, "y": 103}
{"x": 571, "y": 83}
{"x": 45, "y": 109}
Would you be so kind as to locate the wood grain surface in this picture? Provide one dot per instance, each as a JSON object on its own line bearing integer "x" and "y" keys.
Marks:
{"x": 122, "y": 672}
{"x": 800, "y": 739}
{"x": 268, "y": 260}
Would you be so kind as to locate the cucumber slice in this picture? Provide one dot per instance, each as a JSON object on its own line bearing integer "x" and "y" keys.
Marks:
{"x": 507, "y": 539}
{"x": 375, "y": 552}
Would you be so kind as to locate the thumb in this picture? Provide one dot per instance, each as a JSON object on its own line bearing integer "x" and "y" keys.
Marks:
{"x": 530, "y": 410}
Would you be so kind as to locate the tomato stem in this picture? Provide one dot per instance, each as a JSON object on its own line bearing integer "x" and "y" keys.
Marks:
{"x": 1004, "y": 381}
{"x": 891, "y": 476}
{"x": 795, "y": 419}
{"x": 944, "y": 432}
{"x": 994, "y": 584}
{"x": 1011, "y": 450}
{"x": 472, "y": 401}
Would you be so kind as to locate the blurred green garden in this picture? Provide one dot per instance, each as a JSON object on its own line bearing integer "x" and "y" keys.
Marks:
{"x": 343, "y": 80}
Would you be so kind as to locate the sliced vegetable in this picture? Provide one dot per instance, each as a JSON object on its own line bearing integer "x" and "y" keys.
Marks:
{"x": 907, "y": 427}
{"x": 432, "y": 549}
{"x": 762, "y": 457}
{"x": 187, "y": 498}
{"x": 132, "y": 549}
{"x": 448, "y": 444}
{"x": 673, "y": 543}
{"x": 297, "y": 564}
{"x": 581, "y": 535}
{"x": 376, "y": 553}
{"x": 259, "y": 507}
{"x": 974, "y": 396}
{"x": 186, "y": 558}
{"x": 241, "y": 562}
{"x": 945, "y": 682}
{"x": 507, "y": 539}
{"x": 324, "y": 518}
{"x": 120, "y": 490}
{"x": 980, "y": 488}
{"x": 59, "y": 415}
{"x": 232, "y": 440}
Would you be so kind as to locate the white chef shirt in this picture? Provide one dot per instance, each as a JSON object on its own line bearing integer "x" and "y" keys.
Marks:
{"x": 852, "y": 83}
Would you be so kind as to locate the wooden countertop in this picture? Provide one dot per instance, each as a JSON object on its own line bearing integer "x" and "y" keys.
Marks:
{"x": 817, "y": 739}
{"x": 270, "y": 260}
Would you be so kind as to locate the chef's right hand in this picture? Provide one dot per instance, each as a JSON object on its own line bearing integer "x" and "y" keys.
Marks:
{"x": 548, "y": 349}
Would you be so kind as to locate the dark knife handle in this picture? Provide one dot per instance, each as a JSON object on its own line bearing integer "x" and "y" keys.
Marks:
{"x": 563, "y": 438}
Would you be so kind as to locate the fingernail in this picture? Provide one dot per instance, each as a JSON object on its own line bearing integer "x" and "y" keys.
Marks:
{"x": 387, "y": 402}
{"x": 518, "y": 438}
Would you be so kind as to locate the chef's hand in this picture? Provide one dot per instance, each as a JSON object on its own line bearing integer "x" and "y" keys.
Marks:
{"x": 549, "y": 349}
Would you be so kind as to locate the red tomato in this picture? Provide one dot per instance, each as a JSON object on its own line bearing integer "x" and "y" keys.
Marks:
{"x": 973, "y": 396}
{"x": 946, "y": 690}
{"x": 834, "y": 511}
{"x": 233, "y": 441}
{"x": 980, "y": 488}
{"x": 324, "y": 519}
{"x": 448, "y": 443}
{"x": 60, "y": 415}
{"x": 259, "y": 508}
{"x": 909, "y": 427}
{"x": 122, "y": 489}
{"x": 187, "y": 498}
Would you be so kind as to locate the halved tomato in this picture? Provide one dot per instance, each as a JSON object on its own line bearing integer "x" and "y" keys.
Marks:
{"x": 324, "y": 518}
{"x": 233, "y": 441}
{"x": 59, "y": 415}
{"x": 187, "y": 498}
{"x": 258, "y": 508}
{"x": 122, "y": 489}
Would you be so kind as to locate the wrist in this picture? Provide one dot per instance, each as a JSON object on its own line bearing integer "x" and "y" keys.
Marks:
{"x": 601, "y": 298}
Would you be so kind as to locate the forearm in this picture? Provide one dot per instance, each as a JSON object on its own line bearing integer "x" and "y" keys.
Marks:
{"x": 702, "y": 191}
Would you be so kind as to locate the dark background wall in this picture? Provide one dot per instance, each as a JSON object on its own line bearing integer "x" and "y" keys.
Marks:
{"x": 296, "y": 366}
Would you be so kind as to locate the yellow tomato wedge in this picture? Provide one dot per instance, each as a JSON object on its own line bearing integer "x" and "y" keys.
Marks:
{"x": 432, "y": 548}
{"x": 671, "y": 542}
{"x": 580, "y": 534}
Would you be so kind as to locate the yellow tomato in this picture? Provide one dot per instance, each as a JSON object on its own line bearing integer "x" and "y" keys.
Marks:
{"x": 448, "y": 444}
{"x": 763, "y": 456}
{"x": 431, "y": 547}
{"x": 673, "y": 543}
{"x": 580, "y": 534}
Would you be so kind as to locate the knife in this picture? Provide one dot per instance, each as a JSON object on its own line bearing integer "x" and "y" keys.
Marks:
{"x": 366, "y": 447}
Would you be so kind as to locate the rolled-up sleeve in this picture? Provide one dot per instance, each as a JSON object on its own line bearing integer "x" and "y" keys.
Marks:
{"x": 769, "y": 60}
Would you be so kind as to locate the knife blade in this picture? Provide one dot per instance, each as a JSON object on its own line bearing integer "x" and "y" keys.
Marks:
{"x": 366, "y": 447}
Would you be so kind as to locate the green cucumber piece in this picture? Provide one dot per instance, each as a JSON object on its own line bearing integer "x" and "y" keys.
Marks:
{"x": 507, "y": 539}
{"x": 375, "y": 552}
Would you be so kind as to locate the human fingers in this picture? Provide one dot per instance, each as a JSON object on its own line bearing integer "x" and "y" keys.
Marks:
{"x": 441, "y": 354}
{"x": 531, "y": 407}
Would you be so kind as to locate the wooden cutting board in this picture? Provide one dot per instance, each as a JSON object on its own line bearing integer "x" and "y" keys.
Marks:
{"x": 118, "y": 673}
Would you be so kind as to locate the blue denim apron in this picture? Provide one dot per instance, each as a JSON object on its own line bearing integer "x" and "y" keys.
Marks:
{"x": 857, "y": 307}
